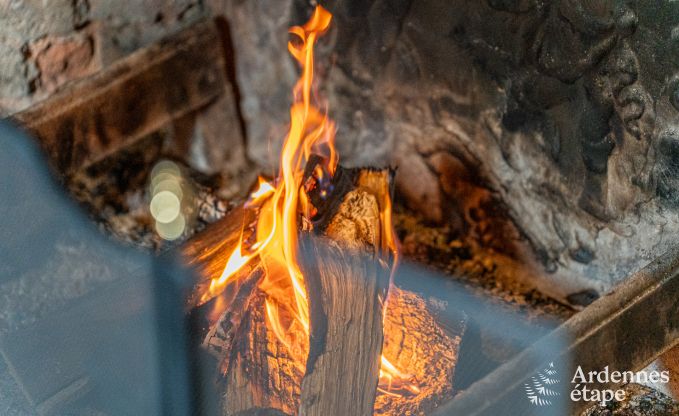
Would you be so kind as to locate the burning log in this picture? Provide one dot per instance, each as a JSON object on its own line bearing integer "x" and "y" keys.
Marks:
{"x": 257, "y": 371}
{"x": 263, "y": 375}
{"x": 417, "y": 344}
{"x": 346, "y": 282}
{"x": 221, "y": 337}
{"x": 208, "y": 253}
{"x": 347, "y": 287}
{"x": 346, "y": 292}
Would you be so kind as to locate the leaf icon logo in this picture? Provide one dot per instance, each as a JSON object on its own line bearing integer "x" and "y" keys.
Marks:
{"x": 537, "y": 389}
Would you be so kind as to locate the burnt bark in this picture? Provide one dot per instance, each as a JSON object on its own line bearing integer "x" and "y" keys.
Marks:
{"x": 262, "y": 374}
{"x": 221, "y": 337}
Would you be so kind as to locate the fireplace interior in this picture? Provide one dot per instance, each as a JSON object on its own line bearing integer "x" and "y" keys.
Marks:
{"x": 382, "y": 207}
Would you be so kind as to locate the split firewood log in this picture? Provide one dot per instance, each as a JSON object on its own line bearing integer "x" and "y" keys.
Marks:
{"x": 347, "y": 282}
{"x": 346, "y": 264}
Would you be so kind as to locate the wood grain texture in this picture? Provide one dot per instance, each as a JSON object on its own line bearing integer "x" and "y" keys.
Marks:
{"x": 346, "y": 284}
{"x": 346, "y": 291}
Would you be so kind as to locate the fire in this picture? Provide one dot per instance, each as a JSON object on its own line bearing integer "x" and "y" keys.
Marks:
{"x": 283, "y": 202}
{"x": 262, "y": 193}
{"x": 235, "y": 262}
{"x": 391, "y": 378}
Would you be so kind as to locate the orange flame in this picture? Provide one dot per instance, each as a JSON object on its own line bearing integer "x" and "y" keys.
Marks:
{"x": 261, "y": 194}
{"x": 280, "y": 205}
{"x": 235, "y": 262}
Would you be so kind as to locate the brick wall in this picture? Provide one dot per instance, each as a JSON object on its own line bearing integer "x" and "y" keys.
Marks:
{"x": 46, "y": 43}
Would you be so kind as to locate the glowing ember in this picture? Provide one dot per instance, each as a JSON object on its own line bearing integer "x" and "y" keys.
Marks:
{"x": 284, "y": 201}
{"x": 417, "y": 345}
